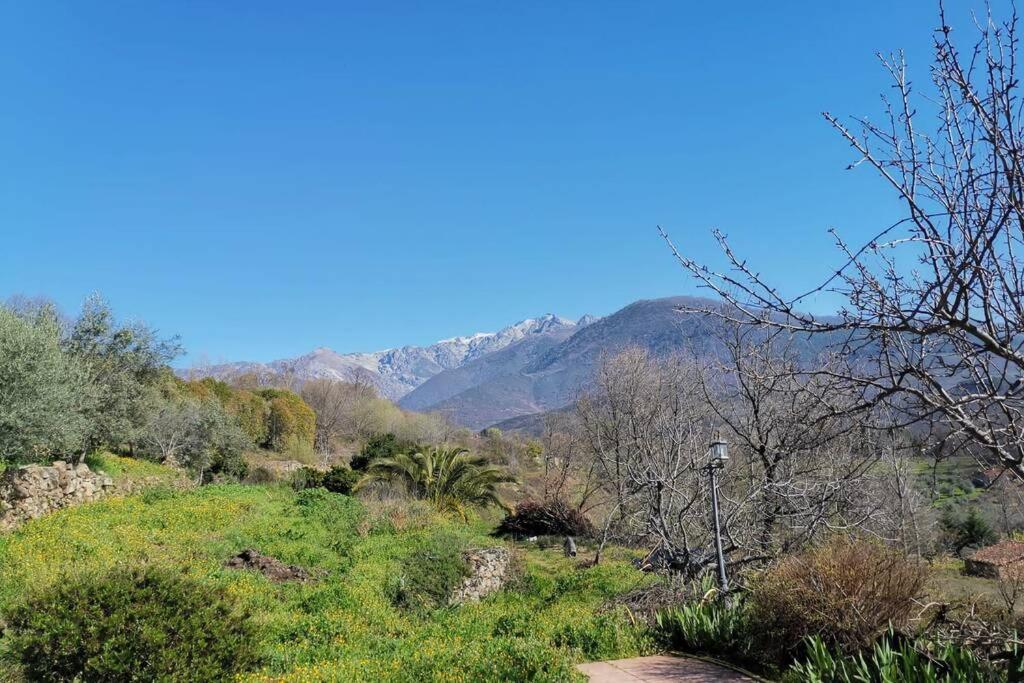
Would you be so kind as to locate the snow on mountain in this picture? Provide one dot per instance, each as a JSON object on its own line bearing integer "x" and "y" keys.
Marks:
{"x": 395, "y": 372}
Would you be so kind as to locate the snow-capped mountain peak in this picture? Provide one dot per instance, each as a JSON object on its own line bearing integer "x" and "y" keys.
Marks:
{"x": 395, "y": 371}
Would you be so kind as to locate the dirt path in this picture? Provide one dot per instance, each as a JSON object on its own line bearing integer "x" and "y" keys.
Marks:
{"x": 660, "y": 669}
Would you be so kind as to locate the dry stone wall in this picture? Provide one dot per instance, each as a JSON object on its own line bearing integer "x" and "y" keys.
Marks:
{"x": 488, "y": 568}
{"x": 34, "y": 490}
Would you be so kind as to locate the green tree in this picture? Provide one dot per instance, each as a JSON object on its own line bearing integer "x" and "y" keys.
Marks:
{"x": 450, "y": 478}
{"x": 123, "y": 363}
{"x": 290, "y": 422}
{"x": 969, "y": 531}
{"x": 199, "y": 435}
{"x": 250, "y": 409}
{"x": 45, "y": 396}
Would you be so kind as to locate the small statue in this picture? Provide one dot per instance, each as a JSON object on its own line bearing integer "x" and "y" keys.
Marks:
{"x": 569, "y": 546}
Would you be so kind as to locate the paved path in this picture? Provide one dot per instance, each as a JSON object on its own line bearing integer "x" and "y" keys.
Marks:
{"x": 660, "y": 669}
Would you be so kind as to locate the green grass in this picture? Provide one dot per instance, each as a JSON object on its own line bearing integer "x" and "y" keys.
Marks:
{"x": 351, "y": 624}
{"x": 134, "y": 472}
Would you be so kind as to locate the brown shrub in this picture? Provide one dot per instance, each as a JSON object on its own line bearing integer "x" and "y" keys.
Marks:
{"x": 554, "y": 518}
{"x": 846, "y": 591}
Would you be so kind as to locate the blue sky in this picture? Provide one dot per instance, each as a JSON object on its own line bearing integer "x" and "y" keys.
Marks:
{"x": 263, "y": 178}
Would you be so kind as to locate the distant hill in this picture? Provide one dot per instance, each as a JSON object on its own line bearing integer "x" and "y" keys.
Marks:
{"x": 503, "y": 378}
{"x": 539, "y": 375}
{"x": 395, "y": 372}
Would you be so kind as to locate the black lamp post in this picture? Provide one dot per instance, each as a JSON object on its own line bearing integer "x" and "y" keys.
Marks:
{"x": 718, "y": 454}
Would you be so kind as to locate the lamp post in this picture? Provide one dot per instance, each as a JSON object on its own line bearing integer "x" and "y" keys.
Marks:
{"x": 718, "y": 455}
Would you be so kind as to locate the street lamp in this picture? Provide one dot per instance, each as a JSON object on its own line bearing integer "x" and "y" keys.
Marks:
{"x": 718, "y": 453}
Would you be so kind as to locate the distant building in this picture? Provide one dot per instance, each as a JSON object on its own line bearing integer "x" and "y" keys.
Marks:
{"x": 1002, "y": 560}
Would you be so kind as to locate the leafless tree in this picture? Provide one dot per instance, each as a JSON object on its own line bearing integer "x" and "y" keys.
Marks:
{"x": 802, "y": 465}
{"x": 339, "y": 408}
{"x": 647, "y": 433}
{"x": 803, "y": 462}
{"x": 934, "y": 305}
{"x": 568, "y": 472}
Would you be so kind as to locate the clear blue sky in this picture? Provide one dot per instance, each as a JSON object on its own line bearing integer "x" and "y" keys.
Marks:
{"x": 263, "y": 177}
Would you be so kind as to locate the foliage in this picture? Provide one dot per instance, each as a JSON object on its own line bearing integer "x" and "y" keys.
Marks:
{"x": 847, "y": 591}
{"x": 338, "y": 479}
{"x": 450, "y": 478}
{"x": 136, "y": 624}
{"x": 290, "y": 422}
{"x": 250, "y": 409}
{"x": 345, "y": 626}
{"x": 197, "y": 434}
{"x": 123, "y": 362}
{"x": 380, "y": 446}
{"x": 541, "y": 518}
{"x": 709, "y": 625}
{"x": 969, "y": 531}
{"x": 45, "y": 396}
{"x": 891, "y": 660}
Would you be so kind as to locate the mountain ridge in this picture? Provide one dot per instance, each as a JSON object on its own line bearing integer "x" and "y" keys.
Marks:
{"x": 395, "y": 371}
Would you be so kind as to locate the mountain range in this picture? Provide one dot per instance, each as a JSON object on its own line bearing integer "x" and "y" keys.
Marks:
{"x": 525, "y": 369}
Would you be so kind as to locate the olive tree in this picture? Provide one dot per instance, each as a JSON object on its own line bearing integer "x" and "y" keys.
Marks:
{"x": 122, "y": 362}
{"x": 45, "y": 395}
{"x": 198, "y": 435}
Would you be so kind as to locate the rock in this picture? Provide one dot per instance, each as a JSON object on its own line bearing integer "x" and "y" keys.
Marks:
{"x": 34, "y": 490}
{"x": 487, "y": 570}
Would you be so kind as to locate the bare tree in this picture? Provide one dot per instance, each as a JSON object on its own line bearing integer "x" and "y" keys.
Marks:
{"x": 647, "y": 435}
{"x": 803, "y": 461}
{"x": 802, "y": 465}
{"x": 934, "y": 304}
{"x": 339, "y": 410}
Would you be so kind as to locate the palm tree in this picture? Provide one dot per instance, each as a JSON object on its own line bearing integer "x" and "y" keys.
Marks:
{"x": 450, "y": 478}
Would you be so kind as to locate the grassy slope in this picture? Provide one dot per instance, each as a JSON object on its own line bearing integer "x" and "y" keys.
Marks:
{"x": 344, "y": 627}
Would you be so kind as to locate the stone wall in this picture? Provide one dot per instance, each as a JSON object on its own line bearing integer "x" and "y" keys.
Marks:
{"x": 488, "y": 568}
{"x": 34, "y": 490}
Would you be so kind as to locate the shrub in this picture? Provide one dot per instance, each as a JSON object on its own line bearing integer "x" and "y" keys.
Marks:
{"x": 597, "y": 637}
{"x": 381, "y": 446}
{"x": 555, "y": 517}
{"x": 846, "y": 591}
{"x": 142, "y": 624}
{"x": 338, "y": 479}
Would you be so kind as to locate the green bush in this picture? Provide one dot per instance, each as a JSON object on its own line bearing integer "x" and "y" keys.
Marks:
{"x": 598, "y": 637}
{"x": 142, "y": 624}
{"x": 338, "y": 479}
{"x": 381, "y": 446}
